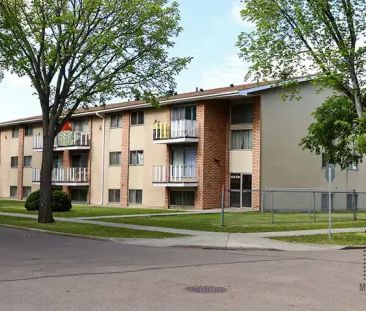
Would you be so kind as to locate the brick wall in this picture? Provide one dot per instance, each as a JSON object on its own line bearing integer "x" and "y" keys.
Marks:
{"x": 66, "y": 163}
{"x": 20, "y": 173}
{"x": 256, "y": 155}
{"x": 125, "y": 157}
{"x": 212, "y": 153}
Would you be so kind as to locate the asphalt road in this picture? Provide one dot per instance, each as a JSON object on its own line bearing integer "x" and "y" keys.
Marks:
{"x": 48, "y": 272}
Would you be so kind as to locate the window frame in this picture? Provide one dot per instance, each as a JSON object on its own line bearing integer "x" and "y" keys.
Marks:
{"x": 10, "y": 191}
{"x": 28, "y": 131}
{"x": 132, "y": 157}
{"x": 110, "y": 158}
{"x": 246, "y": 105}
{"x": 249, "y": 143}
{"x": 24, "y": 191}
{"x": 115, "y": 194}
{"x": 132, "y": 194}
{"x": 15, "y": 159}
{"x": 138, "y": 118}
{"x": 24, "y": 162}
{"x": 116, "y": 118}
{"x": 15, "y": 132}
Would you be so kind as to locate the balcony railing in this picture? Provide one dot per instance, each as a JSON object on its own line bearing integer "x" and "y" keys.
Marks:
{"x": 72, "y": 175}
{"x": 179, "y": 173}
{"x": 175, "y": 130}
{"x": 65, "y": 140}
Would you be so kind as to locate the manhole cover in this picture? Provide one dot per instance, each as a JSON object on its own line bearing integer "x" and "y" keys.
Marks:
{"x": 206, "y": 289}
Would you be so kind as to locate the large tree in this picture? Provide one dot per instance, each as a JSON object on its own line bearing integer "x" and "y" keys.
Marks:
{"x": 324, "y": 39}
{"x": 78, "y": 52}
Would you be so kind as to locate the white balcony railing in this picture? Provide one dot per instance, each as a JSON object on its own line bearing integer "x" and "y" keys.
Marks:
{"x": 65, "y": 139}
{"x": 174, "y": 173}
{"x": 176, "y": 129}
{"x": 64, "y": 175}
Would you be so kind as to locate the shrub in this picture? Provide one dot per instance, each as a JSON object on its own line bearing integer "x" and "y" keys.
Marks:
{"x": 32, "y": 202}
{"x": 61, "y": 202}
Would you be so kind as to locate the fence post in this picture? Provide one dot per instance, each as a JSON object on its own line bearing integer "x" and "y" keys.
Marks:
{"x": 222, "y": 205}
{"x": 271, "y": 206}
{"x": 314, "y": 209}
{"x": 309, "y": 202}
{"x": 354, "y": 205}
{"x": 262, "y": 199}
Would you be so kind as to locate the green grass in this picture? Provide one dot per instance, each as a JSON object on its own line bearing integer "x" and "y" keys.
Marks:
{"x": 10, "y": 206}
{"x": 84, "y": 229}
{"x": 246, "y": 221}
{"x": 349, "y": 238}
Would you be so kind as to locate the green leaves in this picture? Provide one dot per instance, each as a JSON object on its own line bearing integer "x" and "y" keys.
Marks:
{"x": 78, "y": 52}
{"x": 336, "y": 132}
{"x": 325, "y": 38}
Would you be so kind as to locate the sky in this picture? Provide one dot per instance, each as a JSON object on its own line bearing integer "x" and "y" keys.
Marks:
{"x": 211, "y": 28}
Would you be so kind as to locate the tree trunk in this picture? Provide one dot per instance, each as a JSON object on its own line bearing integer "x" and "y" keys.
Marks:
{"x": 45, "y": 206}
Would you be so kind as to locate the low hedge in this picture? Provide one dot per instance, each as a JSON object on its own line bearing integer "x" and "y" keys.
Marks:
{"x": 61, "y": 202}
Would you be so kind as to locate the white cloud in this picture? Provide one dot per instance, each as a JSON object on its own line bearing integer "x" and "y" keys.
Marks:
{"x": 237, "y": 6}
{"x": 231, "y": 71}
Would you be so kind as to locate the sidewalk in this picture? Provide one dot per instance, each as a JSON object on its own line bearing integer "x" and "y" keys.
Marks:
{"x": 204, "y": 239}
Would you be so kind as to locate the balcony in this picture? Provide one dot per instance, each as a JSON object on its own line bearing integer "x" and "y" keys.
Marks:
{"x": 180, "y": 175}
{"x": 65, "y": 140}
{"x": 177, "y": 132}
{"x": 74, "y": 176}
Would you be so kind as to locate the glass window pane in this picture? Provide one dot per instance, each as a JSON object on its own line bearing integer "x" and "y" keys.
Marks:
{"x": 247, "y": 182}
{"x": 235, "y": 182}
{"x": 241, "y": 113}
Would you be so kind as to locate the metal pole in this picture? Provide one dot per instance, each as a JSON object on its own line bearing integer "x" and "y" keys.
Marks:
{"x": 354, "y": 205}
{"x": 329, "y": 210}
{"x": 222, "y": 205}
{"x": 271, "y": 206}
{"x": 314, "y": 210}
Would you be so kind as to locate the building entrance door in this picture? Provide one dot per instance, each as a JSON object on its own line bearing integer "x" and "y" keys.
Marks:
{"x": 240, "y": 190}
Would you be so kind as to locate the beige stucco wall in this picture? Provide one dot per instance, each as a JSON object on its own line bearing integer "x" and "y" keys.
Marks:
{"x": 155, "y": 154}
{"x": 284, "y": 163}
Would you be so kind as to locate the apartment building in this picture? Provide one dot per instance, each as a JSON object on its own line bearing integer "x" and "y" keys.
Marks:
{"x": 181, "y": 154}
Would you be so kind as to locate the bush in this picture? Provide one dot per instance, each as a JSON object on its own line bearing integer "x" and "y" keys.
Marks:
{"x": 61, "y": 202}
{"x": 32, "y": 202}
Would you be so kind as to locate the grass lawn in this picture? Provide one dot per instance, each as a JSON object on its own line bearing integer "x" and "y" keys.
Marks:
{"x": 349, "y": 238}
{"x": 246, "y": 221}
{"x": 10, "y": 206}
{"x": 84, "y": 229}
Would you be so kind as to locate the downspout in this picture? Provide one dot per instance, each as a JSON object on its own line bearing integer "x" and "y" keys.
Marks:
{"x": 103, "y": 156}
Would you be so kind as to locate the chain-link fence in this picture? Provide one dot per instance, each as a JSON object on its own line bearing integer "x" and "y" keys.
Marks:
{"x": 299, "y": 208}
{"x": 345, "y": 205}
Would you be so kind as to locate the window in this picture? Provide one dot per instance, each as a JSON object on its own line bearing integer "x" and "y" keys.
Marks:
{"x": 28, "y": 161}
{"x": 135, "y": 196}
{"x": 324, "y": 161}
{"x": 350, "y": 202}
{"x": 28, "y": 131}
{"x": 57, "y": 161}
{"x": 15, "y": 132}
{"x": 116, "y": 121}
{"x": 14, "y": 162}
{"x": 27, "y": 191}
{"x": 184, "y": 113}
{"x": 80, "y": 125}
{"x": 241, "y": 139}
{"x": 137, "y": 117}
{"x": 115, "y": 158}
{"x": 114, "y": 196}
{"x": 353, "y": 167}
{"x": 79, "y": 194}
{"x": 79, "y": 160}
{"x": 137, "y": 157}
{"x": 241, "y": 113}
{"x": 182, "y": 198}
{"x": 13, "y": 191}
{"x": 325, "y": 201}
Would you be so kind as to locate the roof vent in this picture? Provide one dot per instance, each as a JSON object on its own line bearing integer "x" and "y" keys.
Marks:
{"x": 201, "y": 90}
{"x": 170, "y": 93}
{"x": 196, "y": 89}
{"x": 231, "y": 85}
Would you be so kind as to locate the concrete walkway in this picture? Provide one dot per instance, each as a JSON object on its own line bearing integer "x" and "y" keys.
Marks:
{"x": 204, "y": 239}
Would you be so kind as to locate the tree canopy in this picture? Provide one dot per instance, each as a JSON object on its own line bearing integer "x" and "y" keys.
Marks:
{"x": 324, "y": 39}
{"x": 79, "y": 52}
